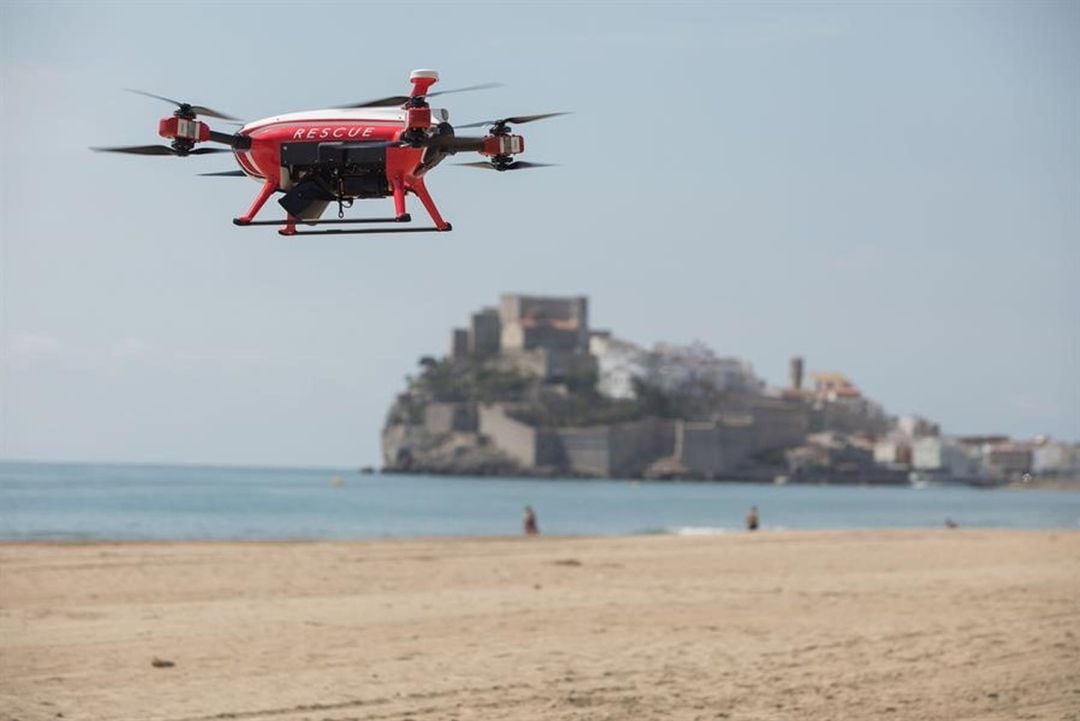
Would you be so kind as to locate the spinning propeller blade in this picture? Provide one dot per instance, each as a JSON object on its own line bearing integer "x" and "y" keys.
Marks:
{"x": 517, "y": 165}
{"x": 139, "y": 150}
{"x": 225, "y": 174}
{"x": 158, "y": 150}
{"x": 197, "y": 109}
{"x": 514, "y": 120}
{"x": 396, "y": 100}
{"x": 481, "y": 86}
{"x": 522, "y": 164}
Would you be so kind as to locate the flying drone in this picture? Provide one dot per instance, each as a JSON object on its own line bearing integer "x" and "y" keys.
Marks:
{"x": 377, "y": 149}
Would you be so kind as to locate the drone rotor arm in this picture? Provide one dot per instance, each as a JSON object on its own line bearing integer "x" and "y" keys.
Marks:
{"x": 235, "y": 141}
{"x": 456, "y": 144}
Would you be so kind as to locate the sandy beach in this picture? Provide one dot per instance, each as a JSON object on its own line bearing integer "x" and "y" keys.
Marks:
{"x": 826, "y": 625}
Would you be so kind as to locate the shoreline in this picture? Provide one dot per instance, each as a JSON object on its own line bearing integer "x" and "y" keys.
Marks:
{"x": 822, "y": 624}
{"x": 680, "y": 532}
{"x": 1035, "y": 483}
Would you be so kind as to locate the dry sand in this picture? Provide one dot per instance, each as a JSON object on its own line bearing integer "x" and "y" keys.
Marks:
{"x": 839, "y": 625}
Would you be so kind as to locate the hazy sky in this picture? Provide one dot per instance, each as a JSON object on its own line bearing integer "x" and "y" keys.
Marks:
{"x": 891, "y": 191}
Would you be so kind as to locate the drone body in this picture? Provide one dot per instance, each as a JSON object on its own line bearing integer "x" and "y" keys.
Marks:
{"x": 379, "y": 149}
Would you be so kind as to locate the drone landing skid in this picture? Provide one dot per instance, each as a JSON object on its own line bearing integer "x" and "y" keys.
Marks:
{"x": 368, "y": 231}
{"x": 290, "y": 226}
{"x": 400, "y": 186}
{"x": 405, "y": 218}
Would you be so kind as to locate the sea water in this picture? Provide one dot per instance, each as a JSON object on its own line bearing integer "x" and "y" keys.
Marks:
{"x": 40, "y": 501}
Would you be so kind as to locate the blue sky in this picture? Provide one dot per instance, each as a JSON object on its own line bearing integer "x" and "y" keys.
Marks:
{"x": 891, "y": 191}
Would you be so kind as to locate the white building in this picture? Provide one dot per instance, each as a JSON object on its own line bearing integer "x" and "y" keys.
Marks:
{"x": 946, "y": 455}
{"x": 673, "y": 367}
{"x": 618, "y": 363}
{"x": 916, "y": 427}
{"x": 670, "y": 368}
{"x": 1050, "y": 457}
{"x": 892, "y": 451}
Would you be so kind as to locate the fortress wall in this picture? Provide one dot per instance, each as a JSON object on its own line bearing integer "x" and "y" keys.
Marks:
{"x": 617, "y": 451}
{"x": 550, "y": 338}
{"x": 549, "y": 449}
{"x": 698, "y": 448}
{"x": 514, "y": 438}
{"x": 712, "y": 449}
{"x": 635, "y": 445}
{"x": 450, "y": 417}
{"x": 588, "y": 450}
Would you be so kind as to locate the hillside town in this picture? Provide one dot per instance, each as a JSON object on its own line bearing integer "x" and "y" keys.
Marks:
{"x": 528, "y": 388}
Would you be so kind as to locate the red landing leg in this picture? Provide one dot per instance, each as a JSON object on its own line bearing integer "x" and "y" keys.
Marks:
{"x": 290, "y": 225}
{"x": 417, "y": 186}
{"x": 267, "y": 190}
{"x": 399, "y": 199}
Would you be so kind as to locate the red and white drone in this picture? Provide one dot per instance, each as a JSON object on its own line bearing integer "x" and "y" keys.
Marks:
{"x": 378, "y": 149}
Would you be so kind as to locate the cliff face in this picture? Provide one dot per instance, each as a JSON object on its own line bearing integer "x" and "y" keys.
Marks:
{"x": 486, "y": 416}
{"x": 415, "y": 449}
{"x": 433, "y": 427}
{"x": 505, "y": 445}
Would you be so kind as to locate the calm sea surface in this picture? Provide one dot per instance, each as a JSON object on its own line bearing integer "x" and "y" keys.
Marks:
{"x": 127, "y": 502}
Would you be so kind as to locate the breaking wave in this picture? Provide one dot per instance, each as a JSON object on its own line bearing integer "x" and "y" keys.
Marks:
{"x": 699, "y": 530}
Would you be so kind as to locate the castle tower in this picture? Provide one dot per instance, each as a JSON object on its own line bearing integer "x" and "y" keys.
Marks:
{"x": 795, "y": 372}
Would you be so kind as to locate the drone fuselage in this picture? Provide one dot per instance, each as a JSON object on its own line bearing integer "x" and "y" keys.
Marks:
{"x": 277, "y": 138}
{"x": 379, "y": 149}
{"x": 337, "y": 155}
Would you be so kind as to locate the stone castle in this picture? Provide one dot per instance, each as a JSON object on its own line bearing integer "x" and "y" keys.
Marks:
{"x": 528, "y": 388}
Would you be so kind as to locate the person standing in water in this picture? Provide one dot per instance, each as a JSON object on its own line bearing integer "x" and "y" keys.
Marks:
{"x": 752, "y": 519}
{"x": 531, "y": 529}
